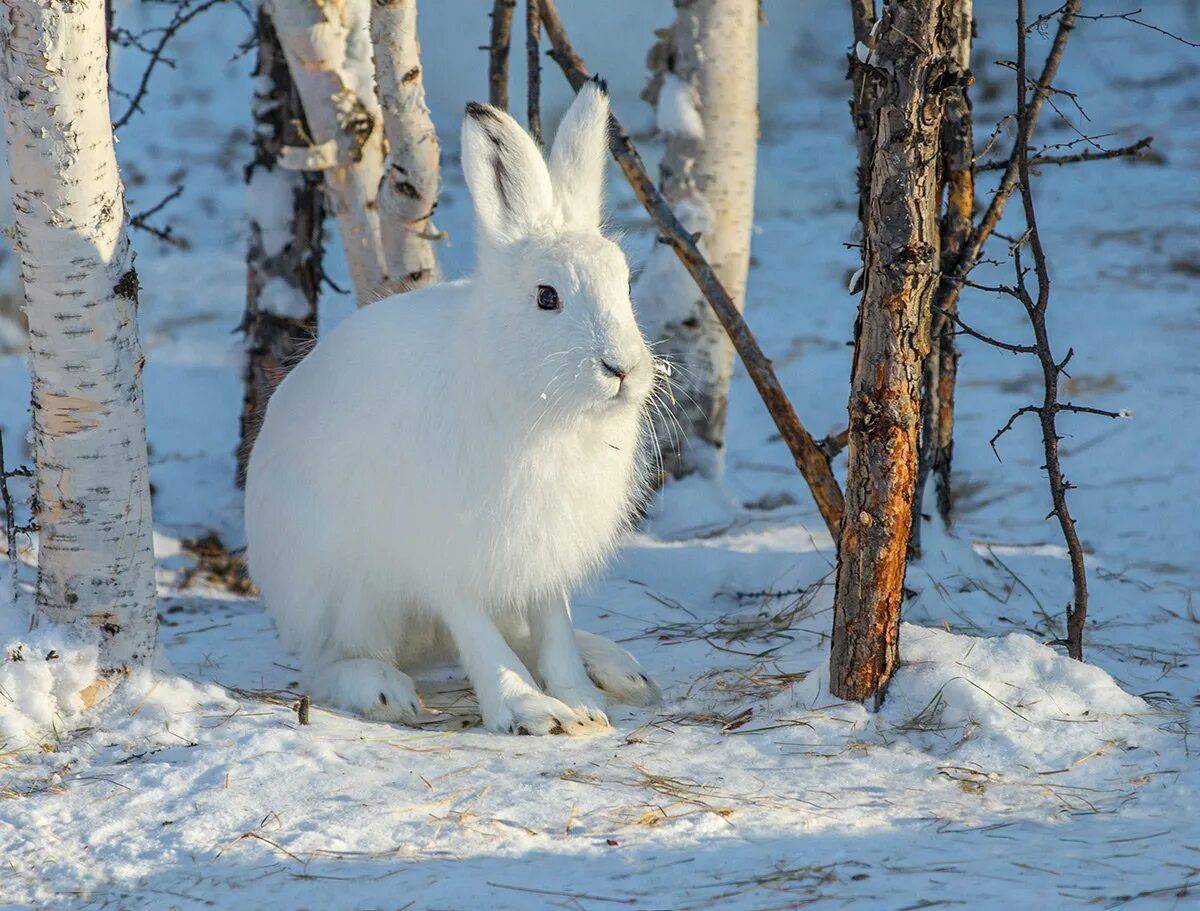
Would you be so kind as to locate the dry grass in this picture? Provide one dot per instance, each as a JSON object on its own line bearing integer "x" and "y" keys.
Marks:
{"x": 217, "y": 566}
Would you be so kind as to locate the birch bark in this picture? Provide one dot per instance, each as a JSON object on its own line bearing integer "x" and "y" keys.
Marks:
{"x": 328, "y": 49}
{"x": 286, "y": 213}
{"x": 95, "y": 559}
{"x": 409, "y": 192}
{"x": 901, "y": 238}
{"x": 705, "y": 89}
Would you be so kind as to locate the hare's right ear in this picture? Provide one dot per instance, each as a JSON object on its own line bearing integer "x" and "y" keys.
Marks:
{"x": 505, "y": 173}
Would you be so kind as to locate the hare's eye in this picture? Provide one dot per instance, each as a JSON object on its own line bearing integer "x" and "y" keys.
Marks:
{"x": 547, "y": 298}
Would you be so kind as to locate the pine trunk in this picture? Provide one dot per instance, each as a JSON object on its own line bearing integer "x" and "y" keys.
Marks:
{"x": 286, "y": 211}
{"x": 958, "y": 157}
{"x": 958, "y": 191}
{"x": 706, "y": 89}
{"x": 95, "y": 556}
{"x": 901, "y": 240}
{"x": 328, "y": 49}
{"x": 409, "y": 192}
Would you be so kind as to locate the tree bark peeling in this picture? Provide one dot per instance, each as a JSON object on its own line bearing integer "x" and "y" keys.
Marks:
{"x": 408, "y": 194}
{"x": 328, "y": 50}
{"x": 95, "y": 557}
{"x": 901, "y": 240}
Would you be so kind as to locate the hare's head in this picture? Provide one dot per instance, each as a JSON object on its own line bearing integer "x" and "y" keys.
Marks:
{"x": 554, "y": 289}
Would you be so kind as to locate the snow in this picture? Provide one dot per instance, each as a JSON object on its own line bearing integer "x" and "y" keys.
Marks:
{"x": 676, "y": 110}
{"x": 997, "y": 773}
{"x": 42, "y": 673}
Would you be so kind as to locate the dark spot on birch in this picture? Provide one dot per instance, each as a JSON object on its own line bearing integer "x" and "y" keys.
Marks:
{"x": 127, "y": 287}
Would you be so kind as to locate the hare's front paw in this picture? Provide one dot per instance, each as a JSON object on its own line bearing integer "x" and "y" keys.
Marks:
{"x": 531, "y": 712}
{"x": 584, "y": 699}
{"x": 373, "y": 689}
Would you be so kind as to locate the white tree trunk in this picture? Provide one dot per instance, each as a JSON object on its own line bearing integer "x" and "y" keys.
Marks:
{"x": 409, "y": 192}
{"x": 96, "y": 561}
{"x": 328, "y": 48}
{"x": 705, "y": 85}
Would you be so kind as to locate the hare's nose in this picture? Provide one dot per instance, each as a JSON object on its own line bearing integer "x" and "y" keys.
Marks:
{"x": 618, "y": 372}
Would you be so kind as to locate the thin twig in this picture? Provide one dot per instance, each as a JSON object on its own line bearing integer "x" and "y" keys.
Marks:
{"x": 1048, "y": 411}
{"x": 184, "y": 13}
{"x": 811, "y": 462}
{"x": 1128, "y": 151}
{"x": 948, "y": 291}
{"x": 141, "y": 221}
{"x": 1131, "y": 17}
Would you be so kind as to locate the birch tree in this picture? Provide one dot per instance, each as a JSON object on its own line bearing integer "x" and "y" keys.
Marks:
{"x": 409, "y": 192}
{"x": 704, "y": 86}
{"x": 901, "y": 243}
{"x": 95, "y": 557}
{"x": 286, "y": 213}
{"x": 328, "y": 50}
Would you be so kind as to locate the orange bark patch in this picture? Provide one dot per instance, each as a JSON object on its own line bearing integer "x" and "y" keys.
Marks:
{"x": 64, "y": 415}
{"x": 960, "y": 193}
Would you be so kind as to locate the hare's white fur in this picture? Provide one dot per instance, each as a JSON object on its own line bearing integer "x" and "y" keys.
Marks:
{"x": 443, "y": 468}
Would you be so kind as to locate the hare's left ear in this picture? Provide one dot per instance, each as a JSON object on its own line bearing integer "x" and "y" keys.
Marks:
{"x": 578, "y": 156}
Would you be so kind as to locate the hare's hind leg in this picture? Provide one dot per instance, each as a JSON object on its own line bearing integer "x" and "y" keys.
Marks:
{"x": 615, "y": 671}
{"x": 366, "y": 686}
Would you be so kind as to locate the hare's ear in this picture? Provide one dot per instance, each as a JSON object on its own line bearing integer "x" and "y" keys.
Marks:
{"x": 505, "y": 173}
{"x": 577, "y": 159}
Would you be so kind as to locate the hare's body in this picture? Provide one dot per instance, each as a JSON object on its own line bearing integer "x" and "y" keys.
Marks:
{"x": 371, "y": 502}
{"x": 443, "y": 468}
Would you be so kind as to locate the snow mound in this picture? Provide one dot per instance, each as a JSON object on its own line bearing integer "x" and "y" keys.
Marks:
{"x": 1009, "y": 701}
{"x": 49, "y": 677}
{"x": 42, "y": 674}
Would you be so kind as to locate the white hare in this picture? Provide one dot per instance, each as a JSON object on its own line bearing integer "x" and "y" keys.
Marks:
{"x": 437, "y": 475}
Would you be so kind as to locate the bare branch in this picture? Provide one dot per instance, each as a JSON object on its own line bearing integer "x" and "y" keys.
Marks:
{"x": 810, "y": 461}
{"x": 987, "y": 339}
{"x": 1012, "y": 419}
{"x": 1129, "y": 151}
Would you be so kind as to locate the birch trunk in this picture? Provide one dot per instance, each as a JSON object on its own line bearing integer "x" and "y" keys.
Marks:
{"x": 409, "y": 192}
{"x": 705, "y": 87}
{"x": 96, "y": 561}
{"x": 901, "y": 240}
{"x": 328, "y": 49}
{"x": 283, "y": 259}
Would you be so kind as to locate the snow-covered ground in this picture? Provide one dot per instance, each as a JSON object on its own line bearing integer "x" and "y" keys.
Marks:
{"x": 998, "y": 774}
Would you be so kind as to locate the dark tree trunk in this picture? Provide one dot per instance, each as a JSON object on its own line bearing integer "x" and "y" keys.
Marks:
{"x": 498, "y": 47}
{"x": 901, "y": 245}
{"x": 958, "y": 190}
{"x": 283, "y": 260}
